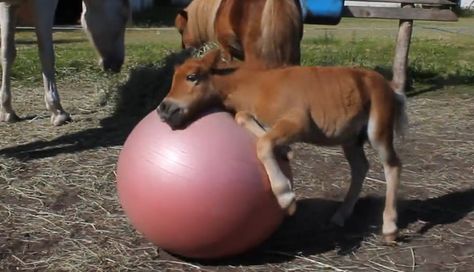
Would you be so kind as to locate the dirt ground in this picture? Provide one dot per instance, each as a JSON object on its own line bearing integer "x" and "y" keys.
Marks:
{"x": 59, "y": 210}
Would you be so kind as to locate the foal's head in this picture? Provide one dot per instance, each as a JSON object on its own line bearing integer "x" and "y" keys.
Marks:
{"x": 191, "y": 90}
{"x": 104, "y": 22}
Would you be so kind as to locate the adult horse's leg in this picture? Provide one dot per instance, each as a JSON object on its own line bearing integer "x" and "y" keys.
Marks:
{"x": 45, "y": 10}
{"x": 7, "y": 25}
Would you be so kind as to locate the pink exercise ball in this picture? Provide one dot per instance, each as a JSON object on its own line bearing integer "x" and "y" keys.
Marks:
{"x": 199, "y": 192}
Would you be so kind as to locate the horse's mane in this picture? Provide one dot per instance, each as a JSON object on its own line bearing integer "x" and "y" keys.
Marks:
{"x": 281, "y": 24}
{"x": 201, "y": 16}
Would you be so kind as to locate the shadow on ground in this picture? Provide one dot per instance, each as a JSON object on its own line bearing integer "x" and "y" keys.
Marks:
{"x": 431, "y": 82}
{"x": 306, "y": 233}
{"x": 145, "y": 88}
{"x": 436, "y": 82}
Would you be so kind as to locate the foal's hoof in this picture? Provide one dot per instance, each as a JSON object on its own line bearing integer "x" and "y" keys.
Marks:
{"x": 9, "y": 117}
{"x": 291, "y": 210}
{"x": 390, "y": 238}
{"x": 60, "y": 119}
{"x": 287, "y": 202}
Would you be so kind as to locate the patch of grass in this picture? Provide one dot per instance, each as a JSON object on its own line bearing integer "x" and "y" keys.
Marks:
{"x": 432, "y": 61}
{"x": 363, "y": 52}
{"x": 436, "y": 56}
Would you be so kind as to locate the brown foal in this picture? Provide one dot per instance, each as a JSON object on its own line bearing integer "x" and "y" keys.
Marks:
{"x": 318, "y": 105}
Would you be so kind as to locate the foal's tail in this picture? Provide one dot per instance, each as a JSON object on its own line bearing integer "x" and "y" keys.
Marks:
{"x": 282, "y": 30}
{"x": 401, "y": 122}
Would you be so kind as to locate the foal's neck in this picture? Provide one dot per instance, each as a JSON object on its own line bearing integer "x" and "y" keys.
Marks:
{"x": 231, "y": 87}
{"x": 225, "y": 81}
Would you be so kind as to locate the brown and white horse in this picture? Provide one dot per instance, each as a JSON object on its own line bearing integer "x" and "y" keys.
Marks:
{"x": 263, "y": 32}
{"x": 319, "y": 105}
{"x": 104, "y": 22}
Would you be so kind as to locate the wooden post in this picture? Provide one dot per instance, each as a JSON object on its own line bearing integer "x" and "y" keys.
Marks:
{"x": 400, "y": 62}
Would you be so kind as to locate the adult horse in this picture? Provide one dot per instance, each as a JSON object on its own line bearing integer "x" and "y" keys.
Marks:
{"x": 104, "y": 22}
{"x": 263, "y": 32}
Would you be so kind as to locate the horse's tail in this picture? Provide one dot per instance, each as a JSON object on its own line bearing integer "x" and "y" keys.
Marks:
{"x": 401, "y": 117}
{"x": 281, "y": 30}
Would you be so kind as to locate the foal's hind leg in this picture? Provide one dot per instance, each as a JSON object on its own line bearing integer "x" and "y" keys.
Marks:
{"x": 7, "y": 25}
{"x": 355, "y": 155}
{"x": 44, "y": 23}
{"x": 382, "y": 141}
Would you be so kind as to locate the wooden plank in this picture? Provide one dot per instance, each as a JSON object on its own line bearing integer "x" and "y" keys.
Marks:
{"x": 424, "y": 2}
{"x": 399, "y": 13}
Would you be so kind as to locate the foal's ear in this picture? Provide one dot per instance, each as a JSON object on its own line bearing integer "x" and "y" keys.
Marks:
{"x": 212, "y": 58}
{"x": 181, "y": 20}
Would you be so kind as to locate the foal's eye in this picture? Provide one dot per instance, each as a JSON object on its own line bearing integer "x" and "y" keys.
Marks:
{"x": 192, "y": 77}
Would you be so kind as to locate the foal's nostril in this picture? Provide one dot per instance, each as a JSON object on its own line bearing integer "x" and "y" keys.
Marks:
{"x": 162, "y": 108}
{"x": 170, "y": 113}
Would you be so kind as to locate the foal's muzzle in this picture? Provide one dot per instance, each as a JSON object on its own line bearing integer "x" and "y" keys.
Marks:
{"x": 171, "y": 113}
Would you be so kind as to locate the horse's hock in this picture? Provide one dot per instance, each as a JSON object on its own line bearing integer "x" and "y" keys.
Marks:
{"x": 406, "y": 11}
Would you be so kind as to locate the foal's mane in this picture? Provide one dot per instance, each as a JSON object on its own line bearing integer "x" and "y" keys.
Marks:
{"x": 201, "y": 16}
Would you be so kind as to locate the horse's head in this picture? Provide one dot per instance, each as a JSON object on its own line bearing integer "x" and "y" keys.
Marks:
{"x": 187, "y": 38}
{"x": 105, "y": 22}
{"x": 191, "y": 90}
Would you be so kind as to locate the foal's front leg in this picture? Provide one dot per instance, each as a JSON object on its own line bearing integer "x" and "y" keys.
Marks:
{"x": 246, "y": 120}
{"x": 280, "y": 134}
{"x": 44, "y": 24}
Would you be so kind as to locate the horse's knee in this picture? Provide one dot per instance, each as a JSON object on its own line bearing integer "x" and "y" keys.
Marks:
{"x": 242, "y": 118}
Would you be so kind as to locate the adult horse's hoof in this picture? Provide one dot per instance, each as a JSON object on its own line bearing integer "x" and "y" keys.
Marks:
{"x": 9, "y": 117}
{"x": 60, "y": 119}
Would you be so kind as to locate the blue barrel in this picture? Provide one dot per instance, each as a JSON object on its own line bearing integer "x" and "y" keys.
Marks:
{"x": 325, "y": 12}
